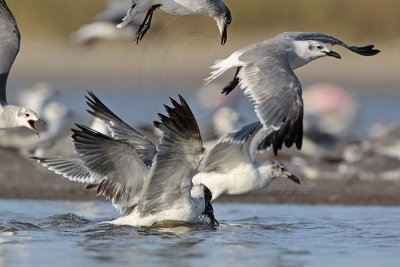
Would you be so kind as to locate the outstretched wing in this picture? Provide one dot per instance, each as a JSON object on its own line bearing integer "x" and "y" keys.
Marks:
{"x": 276, "y": 94}
{"x": 118, "y": 168}
{"x": 367, "y": 50}
{"x": 9, "y": 46}
{"x": 234, "y": 148}
{"x": 71, "y": 168}
{"x": 122, "y": 131}
{"x": 179, "y": 154}
{"x": 113, "y": 167}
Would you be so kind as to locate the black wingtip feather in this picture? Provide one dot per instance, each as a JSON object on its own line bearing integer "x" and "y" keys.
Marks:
{"x": 180, "y": 119}
{"x": 367, "y": 50}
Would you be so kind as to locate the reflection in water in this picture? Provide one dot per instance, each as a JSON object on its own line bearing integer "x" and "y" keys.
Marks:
{"x": 280, "y": 235}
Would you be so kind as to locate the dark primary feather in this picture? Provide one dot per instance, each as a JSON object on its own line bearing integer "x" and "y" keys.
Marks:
{"x": 120, "y": 130}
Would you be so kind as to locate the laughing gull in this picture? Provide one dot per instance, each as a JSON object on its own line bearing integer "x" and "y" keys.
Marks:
{"x": 213, "y": 8}
{"x": 218, "y": 160}
{"x": 56, "y": 117}
{"x": 231, "y": 168}
{"x": 119, "y": 170}
{"x": 103, "y": 27}
{"x": 264, "y": 72}
{"x": 11, "y": 116}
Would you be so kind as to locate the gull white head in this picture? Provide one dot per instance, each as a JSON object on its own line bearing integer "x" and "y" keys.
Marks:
{"x": 275, "y": 169}
{"x": 306, "y": 51}
{"x": 26, "y": 118}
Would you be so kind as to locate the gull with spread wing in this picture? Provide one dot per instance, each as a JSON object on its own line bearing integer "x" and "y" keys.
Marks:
{"x": 11, "y": 116}
{"x": 216, "y": 9}
{"x": 264, "y": 71}
{"x": 119, "y": 167}
{"x": 231, "y": 168}
{"x": 227, "y": 168}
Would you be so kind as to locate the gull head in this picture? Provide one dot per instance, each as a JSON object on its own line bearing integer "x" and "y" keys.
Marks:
{"x": 279, "y": 170}
{"x": 209, "y": 210}
{"x": 27, "y": 118}
{"x": 306, "y": 51}
{"x": 223, "y": 19}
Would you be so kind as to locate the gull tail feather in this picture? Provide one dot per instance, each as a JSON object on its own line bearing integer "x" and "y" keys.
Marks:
{"x": 220, "y": 66}
{"x": 128, "y": 17}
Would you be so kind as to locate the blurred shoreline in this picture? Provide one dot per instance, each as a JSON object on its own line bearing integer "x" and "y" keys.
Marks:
{"x": 173, "y": 63}
{"x": 23, "y": 178}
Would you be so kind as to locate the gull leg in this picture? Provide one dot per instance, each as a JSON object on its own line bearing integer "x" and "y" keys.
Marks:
{"x": 227, "y": 89}
{"x": 145, "y": 26}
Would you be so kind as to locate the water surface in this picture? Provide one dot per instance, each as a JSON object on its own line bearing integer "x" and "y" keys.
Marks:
{"x": 54, "y": 233}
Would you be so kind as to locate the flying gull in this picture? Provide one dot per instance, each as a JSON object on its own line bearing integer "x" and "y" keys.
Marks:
{"x": 11, "y": 116}
{"x": 145, "y": 195}
{"x": 231, "y": 168}
{"x": 214, "y": 8}
{"x": 264, "y": 71}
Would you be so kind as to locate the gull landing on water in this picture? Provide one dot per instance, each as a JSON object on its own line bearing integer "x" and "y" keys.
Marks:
{"x": 146, "y": 195}
{"x": 264, "y": 71}
{"x": 230, "y": 168}
{"x": 11, "y": 116}
{"x": 213, "y": 8}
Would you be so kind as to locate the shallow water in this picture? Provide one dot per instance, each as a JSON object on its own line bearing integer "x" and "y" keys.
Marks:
{"x": 54, "y": 233}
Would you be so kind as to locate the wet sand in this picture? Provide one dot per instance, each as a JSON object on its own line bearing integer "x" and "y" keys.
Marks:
{"x": 23, "y": 178}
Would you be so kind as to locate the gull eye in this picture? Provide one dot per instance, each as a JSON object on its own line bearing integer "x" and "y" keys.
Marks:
{"x": 319, "y": 47}
{"x": 282, "y": 168}
{"x": 26, "y": 115}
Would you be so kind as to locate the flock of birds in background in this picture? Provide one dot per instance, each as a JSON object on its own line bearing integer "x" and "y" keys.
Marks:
{"x": 176, "y": 179}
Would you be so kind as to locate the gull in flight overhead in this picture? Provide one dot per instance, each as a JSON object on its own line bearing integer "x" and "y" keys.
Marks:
{"x": 264, "y": 71}
{"x": 11, "y": 116}
{"x": 147, "y": 193}
{"x": 216, "y": 9}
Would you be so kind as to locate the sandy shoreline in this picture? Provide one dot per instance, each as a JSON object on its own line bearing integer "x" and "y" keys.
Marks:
{"x": 23, "y": 178}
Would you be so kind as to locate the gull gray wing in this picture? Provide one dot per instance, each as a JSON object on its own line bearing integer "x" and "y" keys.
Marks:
{"x": 122, "y": 131}
{"x": 234, "y": 148}
{"x": 116, "y": 166}
{"x": 367, "y": 50}
{"x": 179, "y": 154}
{"x": 277, "y": 96}
{"x": 260, "y": 139}
{"x": 9, "y": 46}
{"x": 71, "y": 168}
